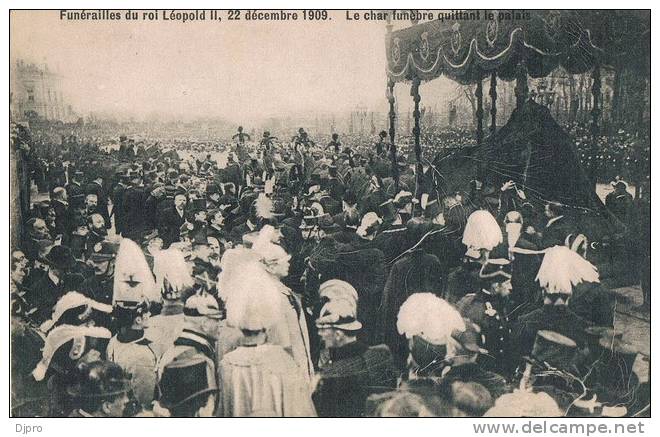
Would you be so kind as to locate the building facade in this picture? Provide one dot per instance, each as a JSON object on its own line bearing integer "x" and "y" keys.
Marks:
{"x": 35, "y": 88}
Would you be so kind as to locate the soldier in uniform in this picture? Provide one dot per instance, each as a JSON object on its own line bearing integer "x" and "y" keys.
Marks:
{"x": 71, "y": 339}
{"x": 354, "y": 370}
{"x": 199, "y": 335}
{"x": 133, "y": 352}
{"x": 560, "y": 271}
{"x": 102, "y": 259}
{"x": 486, "y": 308}
{"x": 175, "y": 285}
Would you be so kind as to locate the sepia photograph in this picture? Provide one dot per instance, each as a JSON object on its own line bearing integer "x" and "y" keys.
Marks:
{"x": 362, "y": 213}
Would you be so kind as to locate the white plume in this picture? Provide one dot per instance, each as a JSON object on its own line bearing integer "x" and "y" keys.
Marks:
{"x": 482, "y": 231}
{"x": 562, "y": 269}
{"x": 430, "y": 317}
{"x": 170, "y": 266}
{"x": 254, "y": 301}
{"x": 131, "y": 265}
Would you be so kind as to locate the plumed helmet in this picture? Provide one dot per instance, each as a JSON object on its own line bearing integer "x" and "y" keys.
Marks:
{"x": 562, "y": 269}
{"x": 482, "y": 231}
{"x": 429, "y": 317}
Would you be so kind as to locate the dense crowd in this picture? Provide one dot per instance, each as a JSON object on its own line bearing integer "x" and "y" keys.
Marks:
{"x": 299, "y": 277}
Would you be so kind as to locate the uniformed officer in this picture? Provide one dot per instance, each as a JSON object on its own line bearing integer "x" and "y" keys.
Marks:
{"x": 354, "y": 370}
{"x": 486, "y": 308}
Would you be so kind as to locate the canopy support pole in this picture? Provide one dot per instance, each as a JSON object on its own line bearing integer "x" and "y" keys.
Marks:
{"x": 392, "y": 131}
{"x": 595, "y": 114}
{"x": 414, "y": 92}
{"x": 479, "y": 94}
{"x": 522, "y": 90}
{"x": 493, "y": 102}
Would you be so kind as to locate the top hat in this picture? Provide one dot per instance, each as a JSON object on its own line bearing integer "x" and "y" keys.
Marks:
{"x": 555, "y": 350}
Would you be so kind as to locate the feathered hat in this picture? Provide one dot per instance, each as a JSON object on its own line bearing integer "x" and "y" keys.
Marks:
{"x": 78, "y": 340}
{"x": 482, "y": 231}
{"x": 264, "y": 246}
{"x": 263, "y": 206}
{"x": 427, "y": 316}
{"x": 133, "y": 281}
{"x": 230, "y": 265}
{"x": 524, "y": 404}
{"x": 172, "y": 274}
{"x": 71, "y": 301}
{"x": 562, "y": 269}
{"x": 254, "y": 303}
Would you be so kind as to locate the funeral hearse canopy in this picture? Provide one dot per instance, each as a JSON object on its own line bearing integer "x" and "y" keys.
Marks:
{"x": 469, "y": 50}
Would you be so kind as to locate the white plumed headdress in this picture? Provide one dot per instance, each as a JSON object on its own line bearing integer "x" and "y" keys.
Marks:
{"x": 482, "y": 231}
{"x": 133, "y": 280}
{"x": 172, "y": 273}
{"x": 430, "y": 317}
{"x": 562, "y": 269}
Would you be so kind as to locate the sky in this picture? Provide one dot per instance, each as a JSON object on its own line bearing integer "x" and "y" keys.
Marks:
{"x": 234, "y": 70}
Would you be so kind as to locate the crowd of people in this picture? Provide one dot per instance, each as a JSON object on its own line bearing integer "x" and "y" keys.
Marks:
{"x": 300, "y": 278}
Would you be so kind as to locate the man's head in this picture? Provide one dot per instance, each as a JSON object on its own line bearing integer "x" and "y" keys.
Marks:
{"x": 96, "y": 223}
{"x": 59, "y": 193}
{"x": 335, "y": 137}
{"x": 101, "y": 389}
{"x": 91, "y": 202}
{"x": 215, "y": 248}
{"x": 202, "y": 314}
{"x": 496, "y": 276}
{"x": 199, "y": 216}
{"x": 620, "y": 187}
{"x": 19, "y": 259}
{"x": 334, "y": 338}
{"x": 180, "y": 201}
{"x": 382, "y": 134}
{"x": 17, "y": 273}
{"x": 188, "y": 388}
{"x": 39, "y": 229}
{"x": 218, "y": 219}
{"x": 337, "y": 323}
